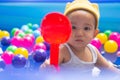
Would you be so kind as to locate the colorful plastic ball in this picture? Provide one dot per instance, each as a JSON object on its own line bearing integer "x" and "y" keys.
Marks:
{"x": 36, "y": 33}
{"x": 2, "y": 63}
{"x": 102, "y": 37}
{"x": 4, "y": 34}
{"x": 17, "y": 41}
{"x": 39, "y": 55}
{"x": 29, "y": 31}
{"x": 108, "y": 32}
{"x": 110, "y": 46}
{"x": 11, "y": 48}
{"x": 118, "y": 41}
{"x": 6, "y": 41}
{"x": 24, "y": 28}
{"x": 17, "y": 32}
{"x": 47, "y": 45}
{"x": 21, "y": 34}
{"x": 39, "y": 39}
{"x": 96, "y": 42}
{"x": 7, "y": 57}
{"x": 55, "y": 28}
{"x": 19, "y": 61}
{"x": 22, "y": 51}
{"x": 35, "y": 26}
{"x": 27, "y": 42}
{"x": 118, "y": 53}
{"x": 14, "y": 30}
{"x": 114, "y": 36}
{"x": 39, "y": 46}
{"x": 31, "y": 36}
{"x": 29, "y": 25}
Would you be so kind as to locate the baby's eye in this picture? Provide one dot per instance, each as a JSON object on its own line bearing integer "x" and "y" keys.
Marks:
{"x": 73, "y": 27}
{"x": 87, "y": 28}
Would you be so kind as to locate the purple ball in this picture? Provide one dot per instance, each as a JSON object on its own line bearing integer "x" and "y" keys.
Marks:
{"x": 5, "y": 41}
{"x": 19, "y": 61}
{"x": 39, "y": 55}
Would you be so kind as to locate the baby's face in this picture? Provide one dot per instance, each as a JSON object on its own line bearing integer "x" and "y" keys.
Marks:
{"x": 83, "y": 27}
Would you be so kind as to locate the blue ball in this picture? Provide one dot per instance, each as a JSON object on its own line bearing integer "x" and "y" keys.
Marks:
{"x": 39, "y": 55}
{"x": 19, "y": 61}
{"x": 5, "y": 41}
{"x": 2, "y": 63}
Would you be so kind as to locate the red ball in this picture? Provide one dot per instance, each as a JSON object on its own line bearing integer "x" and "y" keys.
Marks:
{"x": 55, "y": 28}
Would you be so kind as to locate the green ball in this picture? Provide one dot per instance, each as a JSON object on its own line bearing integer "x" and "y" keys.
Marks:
{"x": 29, "y": 31}
{"x": 11, "y": 48}
{"x": 108, "y": 32}
{"x": 29, "y": 25}
{"x": 21, "y": 34}
{"x": 13, "y": 31}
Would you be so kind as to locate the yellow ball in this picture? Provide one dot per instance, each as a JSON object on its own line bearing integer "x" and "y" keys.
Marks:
{"x": 21, "y": 51}
{"x": 110, "y": 46}
{"x": 102, "y": 37}
{"x": 6, "y": 34}
{"x": 39, "y": 39}
{"x": 1, "y": 34}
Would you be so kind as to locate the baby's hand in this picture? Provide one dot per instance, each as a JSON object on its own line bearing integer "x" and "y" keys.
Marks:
{"x": 45, "y": 64}
{"x": 47, "y": 67}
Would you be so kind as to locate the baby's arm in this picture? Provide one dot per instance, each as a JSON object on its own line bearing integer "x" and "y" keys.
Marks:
{"x": 102, "y": 63}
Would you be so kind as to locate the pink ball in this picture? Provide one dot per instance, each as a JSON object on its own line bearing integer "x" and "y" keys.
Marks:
{"x": 27, "y": 42}
{"x": 96, "y": 42}
{"x": 118, "y": 41}
{"x": 39, "y": 46}
{"x": 17, "y": 41}
{"x": 31, "y": 36}
{"x": 114, "y": 36}
{"x": 118, "y": 53}
{"x": 7, "y": 57}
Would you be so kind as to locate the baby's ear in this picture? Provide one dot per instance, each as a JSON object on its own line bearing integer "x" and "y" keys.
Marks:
{"x": 96, "y": 32}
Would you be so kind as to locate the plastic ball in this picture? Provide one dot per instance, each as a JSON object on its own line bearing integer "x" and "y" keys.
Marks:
{"x": 29, "y": 25}
{"x": 11, "y": 48}
{"x": 118, "y": 53}
{"x": 39, "y": 46}
{"x": 55, "y": 28}
{"x": 24, "y": 28}
{"x": 96, "y": 42}
{"x": 6, "y": 34}
{"x": 14, "y": 30}
{"x": 31, "y": 36}
{"x": 110, "y": 46}
{"x": 39, "y": 55}
{"x": 19, "y": 61}
{"x": 5, "y": 41}
{"x": 47, "y": 45}
{"x": 27, "y": 42}
{"x": 114, "y": 36}
{"x": 102, "y": 37}
{"x": 108, "y": 32}
{"x": 2, "y": 63}
{"x": 17, "y": 41}
{"x": 36, "y": 33}
{"x": 7, "y": 57}
{"x": 17, "y": 32}
{"x": 35, "y": 26}
{"x": 21, "y": 51}
{"x": 22, "y": 34}
{"x": 39, "y": 39}
{"x": 118, "y": 41}
{"x": 29, "y": 31}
